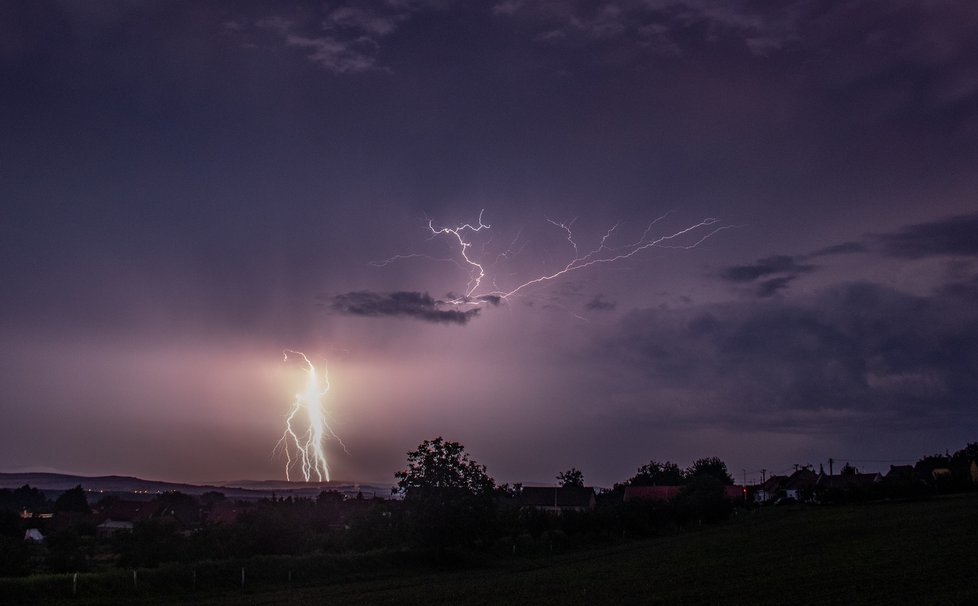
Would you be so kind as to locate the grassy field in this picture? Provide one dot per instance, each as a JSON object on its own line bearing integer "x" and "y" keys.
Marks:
{"x": 892, "y": 553}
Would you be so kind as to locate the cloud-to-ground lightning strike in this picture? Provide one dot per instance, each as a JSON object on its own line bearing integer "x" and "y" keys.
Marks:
{"x": 603, "y": 253}
{"x": 307, "y": 427}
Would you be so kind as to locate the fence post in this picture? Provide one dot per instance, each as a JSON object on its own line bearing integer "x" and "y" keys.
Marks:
{"x": 195, "y": 578}
{"x": 242, "y": 577}
{"x": 74, "y": 584}
{"x": 134, "y": 581}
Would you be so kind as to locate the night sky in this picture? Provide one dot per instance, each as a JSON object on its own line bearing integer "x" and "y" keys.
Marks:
{"x": 188, "y": 188}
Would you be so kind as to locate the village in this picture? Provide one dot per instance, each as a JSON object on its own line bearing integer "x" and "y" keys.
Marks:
{"x": 86, "y": 530}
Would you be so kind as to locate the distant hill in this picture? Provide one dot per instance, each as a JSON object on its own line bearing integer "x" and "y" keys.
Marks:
{"x": 242, "y": 489}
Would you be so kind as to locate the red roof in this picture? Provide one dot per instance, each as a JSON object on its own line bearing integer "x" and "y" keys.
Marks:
{"x": 651, "y": 493}
{"x": 733, "y": 492}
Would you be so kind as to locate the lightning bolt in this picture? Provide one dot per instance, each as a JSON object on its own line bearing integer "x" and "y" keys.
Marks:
{"x": 307, "y": 427}
{"x": 601, "y": 254}
{"x": 477, "y": 272}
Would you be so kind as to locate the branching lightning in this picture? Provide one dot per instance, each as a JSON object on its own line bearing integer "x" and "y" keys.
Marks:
{"x": 605, "y": 252}
{"x": 307, "y": 427}
{"x": 477, "y": 272}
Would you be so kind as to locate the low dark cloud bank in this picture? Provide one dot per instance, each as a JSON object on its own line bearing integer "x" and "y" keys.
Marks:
{"x": 855, "y": 356}
{"x": 760, "y": 273}
{"x": 417, "y": 305}
{"x": 954, "y": 236}
{"x": 598, "y": 303}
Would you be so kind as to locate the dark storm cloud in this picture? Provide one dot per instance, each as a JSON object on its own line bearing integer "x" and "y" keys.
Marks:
{"x": 598, "y": 303}
{"x": 778, "y": 264}
{"x": 419, "y": 306}
{"x": 760, "y": 274}
{"x": 953, "y": 236}
{"x": 858, "y": 353}
{"x": 768, "y": 288}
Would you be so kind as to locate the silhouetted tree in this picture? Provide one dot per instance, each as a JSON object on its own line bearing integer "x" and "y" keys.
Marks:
{"x": 711, "y": 466}
{"x": 212, "y": 497}
{"x": 654, "y": 473}
{"x": 73, "y": 499}
{"x": 24, "y": 497}
{"x": 968, "y": 453}
{"x": 511, "y": 491}
{"x": 573, "y": 477}
{"x": 848, "y": 470}
{"x": 448, "y": 495}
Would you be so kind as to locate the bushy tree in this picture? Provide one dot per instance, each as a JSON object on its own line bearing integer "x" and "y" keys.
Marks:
{"x": 711, "y": 466}
{"x": 449, "y": 497}
{"x": 573, "y": 477}
{"x": 73, "y": 499}
{"x": 24, "y": 497}
{"x": 654, "y": 473}
{"x": 968, "y": 453}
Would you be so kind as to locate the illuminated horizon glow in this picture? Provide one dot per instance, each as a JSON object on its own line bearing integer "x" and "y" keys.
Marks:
{"x": 603, "y": 253}
{"x": 309, "y": 439}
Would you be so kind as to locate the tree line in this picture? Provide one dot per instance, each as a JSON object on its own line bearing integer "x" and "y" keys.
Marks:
{"x": 443, "y": 501}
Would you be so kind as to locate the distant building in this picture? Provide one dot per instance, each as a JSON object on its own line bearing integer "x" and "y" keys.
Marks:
{"x": 33, "y": 535}
{"x": 557, "y": 499}
{"x": 901, "y": 473}
{"x": 800, "y": 485}
{"x": 769, "y": 490}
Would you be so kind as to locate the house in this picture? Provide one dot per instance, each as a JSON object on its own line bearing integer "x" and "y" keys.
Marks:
{"x": 901, "y": 474}
{"x": 800, "y": 485}
{"x": 769, "y": 490}
{"x": 557, "y": 499}
{"x": 735, "y": 493}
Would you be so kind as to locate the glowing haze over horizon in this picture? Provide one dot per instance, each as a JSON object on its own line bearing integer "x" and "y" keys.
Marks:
{"x": 188, "y": 190}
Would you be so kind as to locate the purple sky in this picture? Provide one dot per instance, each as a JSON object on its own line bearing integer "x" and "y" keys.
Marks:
{"x": 189, "y": 188}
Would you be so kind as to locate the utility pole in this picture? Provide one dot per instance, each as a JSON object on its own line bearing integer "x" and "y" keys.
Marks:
{"x": 763, "y": 476}
{"x": 831, "y": 462}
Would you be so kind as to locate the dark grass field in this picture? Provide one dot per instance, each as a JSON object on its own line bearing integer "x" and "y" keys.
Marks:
{"x": 888, "y": 553}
